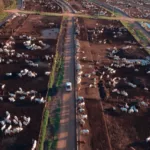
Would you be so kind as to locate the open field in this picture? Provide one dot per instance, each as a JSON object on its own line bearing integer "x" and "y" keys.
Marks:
{"x": 114, "y": 81}
{"x": 27, "y": 49}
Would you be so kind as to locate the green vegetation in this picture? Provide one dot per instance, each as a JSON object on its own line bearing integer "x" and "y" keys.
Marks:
{"x": 55, "y": 77}
{"x": 43, "y": 129}
{"x": 60, "y": 74}
{"x": 46, "y": 112}
{"x": 56, "y": 119}
{"x": 3, "y": 14}
{"x": 13, "y": 4}
{"x": 138, "y": 35}
{"x": 52, "y": 76}
{"x": 49, "y": 144}
{"x": 55, "y": 122}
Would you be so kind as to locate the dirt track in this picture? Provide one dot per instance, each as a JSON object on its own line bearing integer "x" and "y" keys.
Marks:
{"x": 76, "y": 15}
{"x": 66, "y": 134}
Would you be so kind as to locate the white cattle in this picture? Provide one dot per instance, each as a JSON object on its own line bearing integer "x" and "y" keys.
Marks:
{"x": 40, "y": 100}
{"x": 32, "y": 97}
{"x": 3, "y": 86}
{"x": 3, "y": 127}
{"x": 81, "y": 104}
{"x": 84, "y": 131}
{"x": 17, "y": 130}
{"x": 146, "y": 89}
{"x": 9, "y": 127}
{"x": 16, "y": 118}
{"x": 80, "y": 98}
{"x": 32, "y": 74}
{"x": 8, "y": 131}
{"x": 131, "y": 110}
{"x": 12, "y": 95}
{"x": 47, "y": 73}
{"x": 81, "y": 110}
{"x": 22, "y": 97}
{"x": 84, "y": 117}
{"x": 9, "y": 74}
{"x": 144, "y": 104}
{"x": 81, "y": 121}
{"x": 20, "y": 124}
{"x": 148, "y": 72}
{"x": 126, "y": 106}
{"x": 15, "y": 121}
{"x": 34, "y": 145}
{"x": 124, "y": 93}
{"x": 2, "y": 122}
{"x": 8, "y": 121}
{"x": 148, "y": 139}
{"x": 7, "y": 115}
{"x": 11, "y": 99}
{"x": 132, "y": 85}
{"x": 124, "y": 109}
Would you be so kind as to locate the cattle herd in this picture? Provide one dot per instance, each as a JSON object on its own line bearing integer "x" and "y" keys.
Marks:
{"x": 112, "y": 77}
{"x": 42, "y": 5}
{"x": 26, "y": 59}
{"x": 137, "y": 9}
{"x": 113, "y": 80}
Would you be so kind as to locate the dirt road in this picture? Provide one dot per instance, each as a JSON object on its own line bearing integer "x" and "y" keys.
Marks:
{"x": 70, "y": 14}
{"x": 67, "y": 135}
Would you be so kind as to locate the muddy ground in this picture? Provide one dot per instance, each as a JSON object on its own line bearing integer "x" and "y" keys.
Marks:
{"x": 30, "y": 25}
{"x": 23, "y": 140}
{"x": 136, "y": 9}
{"x": 120, "y": 131}
{"x": 79, "y": 7}
{"x": 41, "y": 6}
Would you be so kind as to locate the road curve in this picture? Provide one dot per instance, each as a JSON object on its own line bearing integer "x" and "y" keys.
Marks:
{"x": 65, "y": 5}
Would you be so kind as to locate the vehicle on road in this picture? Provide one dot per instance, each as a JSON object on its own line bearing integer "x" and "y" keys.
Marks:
{"x": 68, "y": 86}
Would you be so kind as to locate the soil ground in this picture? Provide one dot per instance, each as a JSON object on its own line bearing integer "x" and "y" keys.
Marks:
{"x": 44, "y": 6}
{"x": 24, "y": 25}
{"x": 77, "y": 5}
{"x": 132, "y": 8}
{"x": 112, "y": 130}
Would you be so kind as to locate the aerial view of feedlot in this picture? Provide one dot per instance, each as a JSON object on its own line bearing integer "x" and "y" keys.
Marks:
{"x": 74, "y": 75}
{"x": 27, "y": 50}
{"x": 115, "y": 69}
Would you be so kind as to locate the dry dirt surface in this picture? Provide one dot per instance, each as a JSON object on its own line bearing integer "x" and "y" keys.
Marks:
{"x": 109, "y": 127}
{"x": 26, "y": 26}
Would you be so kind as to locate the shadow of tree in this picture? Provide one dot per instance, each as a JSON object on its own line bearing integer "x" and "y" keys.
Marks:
{"x": 53, "y": 91}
